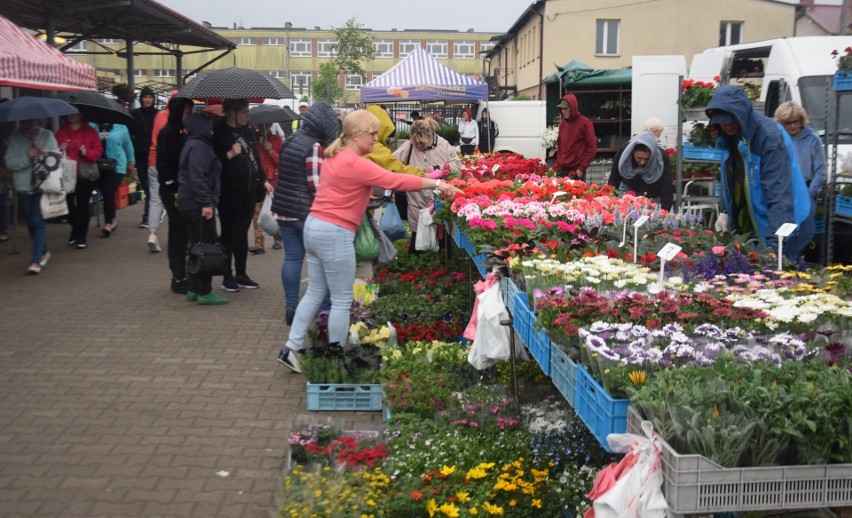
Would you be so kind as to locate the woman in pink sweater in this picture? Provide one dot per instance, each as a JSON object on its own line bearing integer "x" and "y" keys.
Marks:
{"x": 340, "y": 203}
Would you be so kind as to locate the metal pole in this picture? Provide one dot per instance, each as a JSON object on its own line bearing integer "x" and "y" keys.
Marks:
{"x": 679, "y": 170}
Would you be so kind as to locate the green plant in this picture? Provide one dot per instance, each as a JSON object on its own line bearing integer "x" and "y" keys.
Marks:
{"x": 697, "y": 93}
{"x": 844, "y": 61}
{"x": 450, "y": 132}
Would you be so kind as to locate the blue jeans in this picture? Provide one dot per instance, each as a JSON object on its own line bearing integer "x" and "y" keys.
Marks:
{"x": 330, "y": 251}
{"x": 294, "y": 255}
{"x": 31, "y": 207}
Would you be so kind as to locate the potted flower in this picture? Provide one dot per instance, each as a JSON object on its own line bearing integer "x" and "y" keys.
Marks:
{"x": 843, "y": 77}
{"x": 695, "y": 95}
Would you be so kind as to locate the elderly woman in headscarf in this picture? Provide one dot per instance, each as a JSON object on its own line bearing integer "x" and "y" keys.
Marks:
{"x": 642, "y": 167}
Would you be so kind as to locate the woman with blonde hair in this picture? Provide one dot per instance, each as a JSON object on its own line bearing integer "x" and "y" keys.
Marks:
{"x": 809, "y": 150}
{"x": 429, "y": 152}
{"x": 340, "y": 204}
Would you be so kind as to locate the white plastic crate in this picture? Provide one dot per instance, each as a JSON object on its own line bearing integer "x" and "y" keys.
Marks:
{"x": 695, "y": 484}
{"x": 598, "y": 172}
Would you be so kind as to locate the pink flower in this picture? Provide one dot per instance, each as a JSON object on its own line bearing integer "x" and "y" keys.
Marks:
{"x": 718, "y": 250}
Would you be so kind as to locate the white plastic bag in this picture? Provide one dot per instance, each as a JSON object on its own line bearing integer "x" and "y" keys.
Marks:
{"x": 427, "y": 231}
{"x": 491, "y": 344}
{"x": 53, "y": 205}
{"x": 69, "y": 175}
{"x": 265, "y": 220}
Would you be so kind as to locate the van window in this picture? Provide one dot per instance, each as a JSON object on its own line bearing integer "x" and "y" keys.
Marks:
{"x": 813, "y": 90}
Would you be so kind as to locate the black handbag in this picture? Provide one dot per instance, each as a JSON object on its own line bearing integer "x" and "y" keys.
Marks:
{"x": 106, "y": 165}
{"x": 206, "y": 259}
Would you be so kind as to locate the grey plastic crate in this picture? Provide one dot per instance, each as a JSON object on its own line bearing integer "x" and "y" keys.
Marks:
{"x": 598, "y": 172}
{"x": 695, "y": 484}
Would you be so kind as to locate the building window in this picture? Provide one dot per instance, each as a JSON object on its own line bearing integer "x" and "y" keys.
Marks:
{"x": 406, "y": 46}
{"x": 382, "y": 48}
{"x": 606, "y": 38}
{"x": 485, "y": 46}
{"x": 300, "y": 82}
{"x": 463, "y": 49}
{"x": 279, "y": 74}
{"x": 326, "y": 48}
{"x": 107, "y": 41}
{"x": 140, "y": 72}
{"x": 730, "y": 33}
{"x": 272, "y": 41}
{"x": 354, "y": 81}
{"x": 300, "y": 48}
{"x": 244, "y": 41}
{"x": 437, "y": 48}
{"x": 164, "y": 72}
{"x": 79, "y": 47}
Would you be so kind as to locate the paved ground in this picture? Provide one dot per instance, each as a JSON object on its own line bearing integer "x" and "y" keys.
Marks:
{"x": 119, "y": 398}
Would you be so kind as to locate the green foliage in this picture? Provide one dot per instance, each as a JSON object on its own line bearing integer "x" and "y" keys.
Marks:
{"x": 332, "y": 364}
{"x": 522, "y": 97}
{"x": 700, "y": 135}
{"x": 450, "y": 132}
{"x": 326, "y": 87}
{"x": 353, "y": 49}
{"x": 123, "y": 93}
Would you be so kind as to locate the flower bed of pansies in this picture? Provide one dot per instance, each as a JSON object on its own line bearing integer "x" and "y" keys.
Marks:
{"x": 455, "y": 445}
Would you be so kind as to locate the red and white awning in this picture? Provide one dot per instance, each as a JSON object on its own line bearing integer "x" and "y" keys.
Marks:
{"x": 29, "y": 63}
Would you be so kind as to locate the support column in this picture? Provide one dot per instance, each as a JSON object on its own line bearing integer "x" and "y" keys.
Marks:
{"x": 131, "y": 66}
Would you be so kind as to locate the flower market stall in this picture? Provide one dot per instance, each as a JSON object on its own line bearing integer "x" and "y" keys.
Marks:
{"x": 739, "y": 371}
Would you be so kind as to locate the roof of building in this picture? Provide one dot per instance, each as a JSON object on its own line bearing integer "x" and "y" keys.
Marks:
{"x": 826, "y": 16}
{"x": 129, "y": 20}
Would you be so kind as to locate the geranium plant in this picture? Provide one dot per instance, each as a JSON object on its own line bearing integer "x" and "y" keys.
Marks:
{"x": 844, "y": 61}
{"x": 697, "y": 93}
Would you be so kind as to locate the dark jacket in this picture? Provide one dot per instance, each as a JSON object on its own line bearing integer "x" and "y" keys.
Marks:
{"x": 200, "y": 169}
{"x": 170, "y": 141}
{"x": 242, "y": 176}
{"x": 662, "y": 188}
{"x": 774, "y": 189}
{"x": 486, "y": 137}
{"x": 576, "y": 145}
{"x": 293, "y": 196}
{"x": 141, "y": 131}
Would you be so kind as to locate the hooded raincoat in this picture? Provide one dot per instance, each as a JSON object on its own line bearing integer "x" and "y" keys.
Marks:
{"x": 765, "y": 175}
{"x": 576, "y": 145}
{"x": 381, "y": 155}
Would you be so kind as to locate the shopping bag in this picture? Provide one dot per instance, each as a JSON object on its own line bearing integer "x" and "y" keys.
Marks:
{"x": 47, "y": 172}
{"x": 392, "y": 224}
{"x": 366, "y": 244}
{"x": 53, "y": 205}
{"x": 427, "y": 232}
{"x": 69, "y": 175}
{"x": 491, "y": 344}
{"x": 265, "y": 220}
{"x": 387, "y": 252}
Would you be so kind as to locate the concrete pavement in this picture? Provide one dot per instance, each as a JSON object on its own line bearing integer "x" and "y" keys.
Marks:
{"x": 119, "y": 398}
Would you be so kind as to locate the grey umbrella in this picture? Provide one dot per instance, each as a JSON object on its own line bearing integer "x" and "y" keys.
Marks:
{"x": 235, "y": 83}
{"x": 267, "y": 114}
{"x": 26, "y": 108}
{"x": 97, "y": 108}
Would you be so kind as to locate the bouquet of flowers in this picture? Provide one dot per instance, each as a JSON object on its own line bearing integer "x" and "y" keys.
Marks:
{"x": 549, "y": 137}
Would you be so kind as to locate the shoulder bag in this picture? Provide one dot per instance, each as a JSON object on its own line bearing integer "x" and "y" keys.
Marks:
{"x": 88, "y": 171}
{"x": 206, "y": 259}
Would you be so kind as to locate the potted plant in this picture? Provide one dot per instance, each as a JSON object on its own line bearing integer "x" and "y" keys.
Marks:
{"x": 843, "y": 77}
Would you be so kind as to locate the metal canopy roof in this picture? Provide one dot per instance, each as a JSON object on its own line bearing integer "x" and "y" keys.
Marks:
{"x": 137, "y": 20}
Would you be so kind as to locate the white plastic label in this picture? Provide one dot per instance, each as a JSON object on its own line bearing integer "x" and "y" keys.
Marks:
{"x": 786, "y": 229}
{"x": 668, "y": 252}
{"x": 495, "y": 168}
{"x": 641, "y": 221}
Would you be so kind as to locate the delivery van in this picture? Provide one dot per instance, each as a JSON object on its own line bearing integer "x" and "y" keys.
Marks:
{"x": 521, "y": 124}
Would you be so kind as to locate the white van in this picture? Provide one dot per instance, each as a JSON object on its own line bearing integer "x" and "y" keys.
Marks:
{"x": 521, "y": 124}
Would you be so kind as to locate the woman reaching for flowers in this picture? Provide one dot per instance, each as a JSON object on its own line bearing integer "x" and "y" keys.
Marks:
{"x": 340, "y": 204}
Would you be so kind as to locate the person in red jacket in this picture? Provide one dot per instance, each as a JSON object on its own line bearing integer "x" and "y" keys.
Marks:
{"x": 269, "y": 150}
{"x": 79, "y": 142}
{"x": 577, "y": 144}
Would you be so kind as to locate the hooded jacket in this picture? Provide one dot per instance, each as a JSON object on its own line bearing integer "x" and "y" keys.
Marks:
{"x": 293, "y": 194}
{"x": 242, "y": 175}
{"x": 381, "y": 155}
{"x": 775, "y": 191}
{"x": 142, "y": 130}
{"x": 169, "y": 144}
{"x": 200, "y": 168}
{"x": 576, "y": 145}
{"x": 811, "y": 157}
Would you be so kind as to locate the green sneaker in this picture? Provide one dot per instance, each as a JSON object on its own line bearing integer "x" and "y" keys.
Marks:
{"x": 212, "y": 299}
{"x": 191, "y": 296}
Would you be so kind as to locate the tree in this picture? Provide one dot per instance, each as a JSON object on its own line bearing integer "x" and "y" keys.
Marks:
{"x": 326, "y": 86}
{"x": 354, "y": 47}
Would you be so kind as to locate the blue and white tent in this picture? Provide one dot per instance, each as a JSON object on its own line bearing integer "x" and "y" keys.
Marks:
{"x": 419, "y": 77}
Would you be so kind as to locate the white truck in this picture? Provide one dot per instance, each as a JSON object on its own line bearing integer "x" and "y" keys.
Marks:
{"x": 521, "y": 124}
{"x": 784, "y": 69}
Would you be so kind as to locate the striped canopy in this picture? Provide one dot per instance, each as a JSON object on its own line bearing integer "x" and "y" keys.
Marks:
{"x": 27, "y": 62}
{"x": 419, "y": 77}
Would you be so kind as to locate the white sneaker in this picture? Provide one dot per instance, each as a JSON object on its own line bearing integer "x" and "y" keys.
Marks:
{"x": 44, "y": 259}
{"x": 290, "y": 359}
{"x": 35, "y": 269}
{"x": 154, "y": 243}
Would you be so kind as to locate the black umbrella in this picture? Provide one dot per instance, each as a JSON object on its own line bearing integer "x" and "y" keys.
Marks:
{"x": 235, "y": 83}
{"x": 26, "y": 108}
{"x": 268, "y": 113}
{"x": 97, "y": 108}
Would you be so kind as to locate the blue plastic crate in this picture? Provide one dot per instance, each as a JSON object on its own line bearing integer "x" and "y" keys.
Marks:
{"x": 479, "y": 261}
{"x": 540, "y": 346}
{"x": 601, "y": 413}
{"x": 508, "y": 289}
{"x": 843, "y": 206}
{"x": 842, "y": 81}
{"x": 563, "y": 372}
{"x": 701, "y": 153}
{"x": 345, "y": 396}
{"x": 522, "y": 318}
{"x": 820, "y": 227}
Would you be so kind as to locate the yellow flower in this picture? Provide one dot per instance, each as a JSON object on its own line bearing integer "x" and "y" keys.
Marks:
{"x": 447, "y": 471}
{"x": 450, "y": 510}
{"x": 473, "y": 511}
{"x": 492, "y": 509}
{"x": 431, "y": 507}
{"x": 476, "y": 473}
{"x": 638, "y": 378}
{"x": 462, "y": 496}
{"x": 512, "y": 503}
{"x": 536, "y": 503}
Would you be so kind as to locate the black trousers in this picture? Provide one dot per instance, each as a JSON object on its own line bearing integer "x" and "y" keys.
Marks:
{"x": 235, "y": 215}
{"x": 108, "y": 183}
{"x": 199, "y": 230}
{"x": 78, "y": 209}
{"x": 142, "y": 171}
{"x": 178, "y": 238}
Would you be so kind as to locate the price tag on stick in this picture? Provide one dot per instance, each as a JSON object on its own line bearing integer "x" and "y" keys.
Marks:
{"x": 667, "y": 253}
{"x": 638, "y": 223}
{"x": 783, "y": 231}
